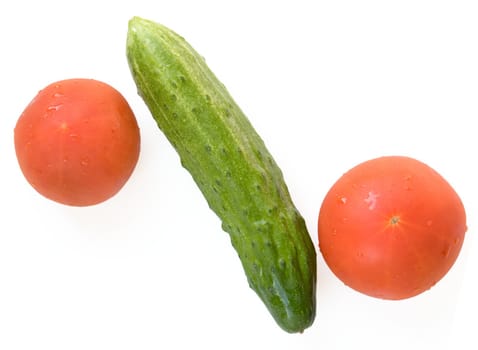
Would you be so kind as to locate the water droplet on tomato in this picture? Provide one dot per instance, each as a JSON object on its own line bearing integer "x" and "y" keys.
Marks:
{"x": 446, "y": 252}
{"x": 54, "y": 107}
{"x": 429, "y": 223}
{"x": 371, "y": 200}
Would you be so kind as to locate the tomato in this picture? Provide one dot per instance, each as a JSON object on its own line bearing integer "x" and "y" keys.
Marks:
{"x": 391, "y": 227}
{"x": 77, "y": 142}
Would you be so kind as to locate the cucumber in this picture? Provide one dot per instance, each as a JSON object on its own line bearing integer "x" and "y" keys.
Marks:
{"x": 232, "y": 167}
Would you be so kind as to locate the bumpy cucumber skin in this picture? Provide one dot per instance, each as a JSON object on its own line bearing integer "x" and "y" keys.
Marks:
{"x": 232, "y": 167}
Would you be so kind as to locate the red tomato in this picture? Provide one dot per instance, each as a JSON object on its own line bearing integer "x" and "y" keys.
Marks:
{"x": 77, "y": 142}
{"x": 391, "y": 227}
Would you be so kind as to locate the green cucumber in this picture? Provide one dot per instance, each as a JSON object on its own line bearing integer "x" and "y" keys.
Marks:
{"x": 232, "y": 167}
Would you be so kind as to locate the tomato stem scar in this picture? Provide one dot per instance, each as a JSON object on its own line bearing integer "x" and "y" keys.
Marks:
{"x": 394, "y": 220}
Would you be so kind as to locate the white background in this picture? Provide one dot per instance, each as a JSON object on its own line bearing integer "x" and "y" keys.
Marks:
{"x": 327, "y": 84}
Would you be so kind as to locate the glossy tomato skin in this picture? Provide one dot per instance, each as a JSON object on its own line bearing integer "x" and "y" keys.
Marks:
{"x": 77, "y": 142}
{"x": 391, "y": 227}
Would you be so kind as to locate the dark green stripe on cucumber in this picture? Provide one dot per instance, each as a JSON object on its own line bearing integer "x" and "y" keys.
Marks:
{"x": 232, "y": 167}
